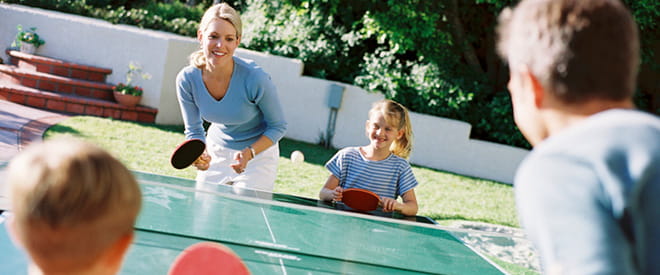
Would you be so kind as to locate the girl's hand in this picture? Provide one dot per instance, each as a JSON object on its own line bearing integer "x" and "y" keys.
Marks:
{"x": 203, "y": 162}
{"x": 242, "y": 157}
{"x": 390, "y": 205}
{"x": 337, "y": 194}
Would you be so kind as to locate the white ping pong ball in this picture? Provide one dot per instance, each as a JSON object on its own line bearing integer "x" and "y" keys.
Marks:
{"x": 297, "y": 157}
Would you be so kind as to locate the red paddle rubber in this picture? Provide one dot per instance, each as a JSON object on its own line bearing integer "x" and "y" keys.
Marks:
{"x": 208, "y": 258}
{"x": 360, "y": 199}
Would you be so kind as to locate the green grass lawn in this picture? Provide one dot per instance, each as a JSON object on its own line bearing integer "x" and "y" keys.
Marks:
{"x": 445, "y": 197}
{"x": 442, "y": 196}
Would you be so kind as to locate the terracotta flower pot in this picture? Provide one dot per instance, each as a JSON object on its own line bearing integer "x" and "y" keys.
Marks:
{"x": 127, "y": 100}
{"x": 28, "y": 48}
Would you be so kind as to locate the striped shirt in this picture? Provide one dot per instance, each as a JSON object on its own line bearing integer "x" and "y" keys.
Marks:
{"x": 388, "y": 178}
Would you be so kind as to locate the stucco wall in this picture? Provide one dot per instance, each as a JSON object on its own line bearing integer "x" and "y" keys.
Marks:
{"x": 439, "y": 143}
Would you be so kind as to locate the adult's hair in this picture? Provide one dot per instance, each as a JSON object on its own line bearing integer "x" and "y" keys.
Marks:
{"x": 71, "y": 201}
{"x": 578, "y": 49}
{"x": 396, "y": 115}
{"x": 222, "y": 11}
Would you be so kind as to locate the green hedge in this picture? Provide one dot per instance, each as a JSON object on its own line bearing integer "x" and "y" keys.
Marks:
{"x": 435, "y": 57}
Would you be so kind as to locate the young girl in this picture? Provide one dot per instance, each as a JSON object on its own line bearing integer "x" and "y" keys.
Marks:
{"x": 381, "y": 166}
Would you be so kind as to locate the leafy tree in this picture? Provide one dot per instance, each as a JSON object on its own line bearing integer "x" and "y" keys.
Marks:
{"x": 436, "y": 57}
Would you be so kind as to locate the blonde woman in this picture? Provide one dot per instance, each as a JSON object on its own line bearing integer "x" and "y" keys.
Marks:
{"x": 380, "y": 166}
{"x": 238, "y": 99}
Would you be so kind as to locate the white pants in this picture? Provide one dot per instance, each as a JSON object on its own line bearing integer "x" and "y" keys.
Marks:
{"x": 259, "y": 174}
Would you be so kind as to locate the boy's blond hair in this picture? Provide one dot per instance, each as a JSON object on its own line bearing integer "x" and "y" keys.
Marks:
{"x": 71, "y": 201}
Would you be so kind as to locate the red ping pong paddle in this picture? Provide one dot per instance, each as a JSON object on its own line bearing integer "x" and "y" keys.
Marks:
{"x": 187, "y": 152}
{"x": 208, "y": 258}
{"x": 360, "y": 199}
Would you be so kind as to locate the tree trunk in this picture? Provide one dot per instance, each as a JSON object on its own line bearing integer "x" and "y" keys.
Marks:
{"x": 459, "y": 34}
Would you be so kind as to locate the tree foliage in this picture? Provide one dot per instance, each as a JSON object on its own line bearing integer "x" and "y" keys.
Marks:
{"x": 420, "y": 53}
{"x": 436, "y": 57}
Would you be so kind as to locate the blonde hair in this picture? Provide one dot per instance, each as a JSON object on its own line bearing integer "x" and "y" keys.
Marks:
{"x": 71, "y": 201}
{"x": 396, "y": 115}
{"x": 578, "y": 49}
{"x": 221, "y": 11}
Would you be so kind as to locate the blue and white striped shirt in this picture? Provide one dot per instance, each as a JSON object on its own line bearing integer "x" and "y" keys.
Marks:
{"x": 388, "y": 178}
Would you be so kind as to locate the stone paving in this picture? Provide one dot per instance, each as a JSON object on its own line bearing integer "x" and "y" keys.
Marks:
{"x": 20, "y": 126}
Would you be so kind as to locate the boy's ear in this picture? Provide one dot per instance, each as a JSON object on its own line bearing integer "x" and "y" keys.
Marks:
{"x": 115, "y": 254}
{"x": 534, "y": 85}
{"x": 10, "y": 224}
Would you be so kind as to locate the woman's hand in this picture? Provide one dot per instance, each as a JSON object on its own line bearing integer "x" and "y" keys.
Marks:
{"x": 203, "y": 162}
{"x": 242, "y": 157}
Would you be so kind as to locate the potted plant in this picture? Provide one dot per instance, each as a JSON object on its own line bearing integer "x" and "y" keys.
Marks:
{"x": 27, "y": 40}
{"x": 128, "y": 94}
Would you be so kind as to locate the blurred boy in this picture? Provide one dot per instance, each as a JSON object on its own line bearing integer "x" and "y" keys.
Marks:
{"x": 74, "y": 207}
{"x": 588, "y": 195}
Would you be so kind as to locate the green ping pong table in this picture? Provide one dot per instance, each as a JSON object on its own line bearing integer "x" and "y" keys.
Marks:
{"x": 279, "y": 234}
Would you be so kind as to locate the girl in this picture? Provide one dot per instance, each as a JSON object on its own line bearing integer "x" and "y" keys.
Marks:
{"x": 381, "y": 166}
{"x": 239, "y": 100}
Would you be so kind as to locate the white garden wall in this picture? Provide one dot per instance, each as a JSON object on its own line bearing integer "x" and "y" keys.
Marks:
{"x": 439, "y": 143}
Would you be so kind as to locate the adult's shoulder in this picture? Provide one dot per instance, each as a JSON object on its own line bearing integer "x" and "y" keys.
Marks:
{"x": 602, "y": 132}
{"x": 250, "y": 68}
{"x": 188, "y": 72}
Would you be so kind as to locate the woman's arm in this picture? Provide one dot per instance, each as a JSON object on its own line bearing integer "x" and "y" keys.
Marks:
{"x": 190, "y": 113}
{"x": 247, "y": 154}
{"x": 266, "y": 98}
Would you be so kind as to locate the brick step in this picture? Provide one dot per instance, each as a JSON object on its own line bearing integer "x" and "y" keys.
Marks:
{"x": 74, "y": 104}
{"x": 54, "y": 83}
{"x": 58, "y": 67}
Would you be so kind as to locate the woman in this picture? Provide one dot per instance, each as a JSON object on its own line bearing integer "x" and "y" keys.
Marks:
{"x": 239, "y": 100}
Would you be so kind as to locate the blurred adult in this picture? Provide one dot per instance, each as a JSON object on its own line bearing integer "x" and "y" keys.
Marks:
{"x": 587, "y": 194}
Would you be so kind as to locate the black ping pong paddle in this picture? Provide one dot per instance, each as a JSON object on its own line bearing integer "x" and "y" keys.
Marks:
{"x": 186, "y": 153}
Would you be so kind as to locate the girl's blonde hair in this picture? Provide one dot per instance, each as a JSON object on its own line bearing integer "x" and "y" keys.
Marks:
{"x": 396, "y": 115}
{"x": 221, "y": 11}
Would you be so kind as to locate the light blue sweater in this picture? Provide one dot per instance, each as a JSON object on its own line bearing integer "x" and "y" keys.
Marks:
{"x": 589, "y": 196}
{"x": 249, "y": 109}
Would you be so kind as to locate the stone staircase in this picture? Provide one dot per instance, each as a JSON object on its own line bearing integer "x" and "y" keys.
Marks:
{"x": 61, "y": 86}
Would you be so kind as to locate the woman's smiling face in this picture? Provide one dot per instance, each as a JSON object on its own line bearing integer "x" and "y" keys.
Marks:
{"x": 219, "y": 41}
